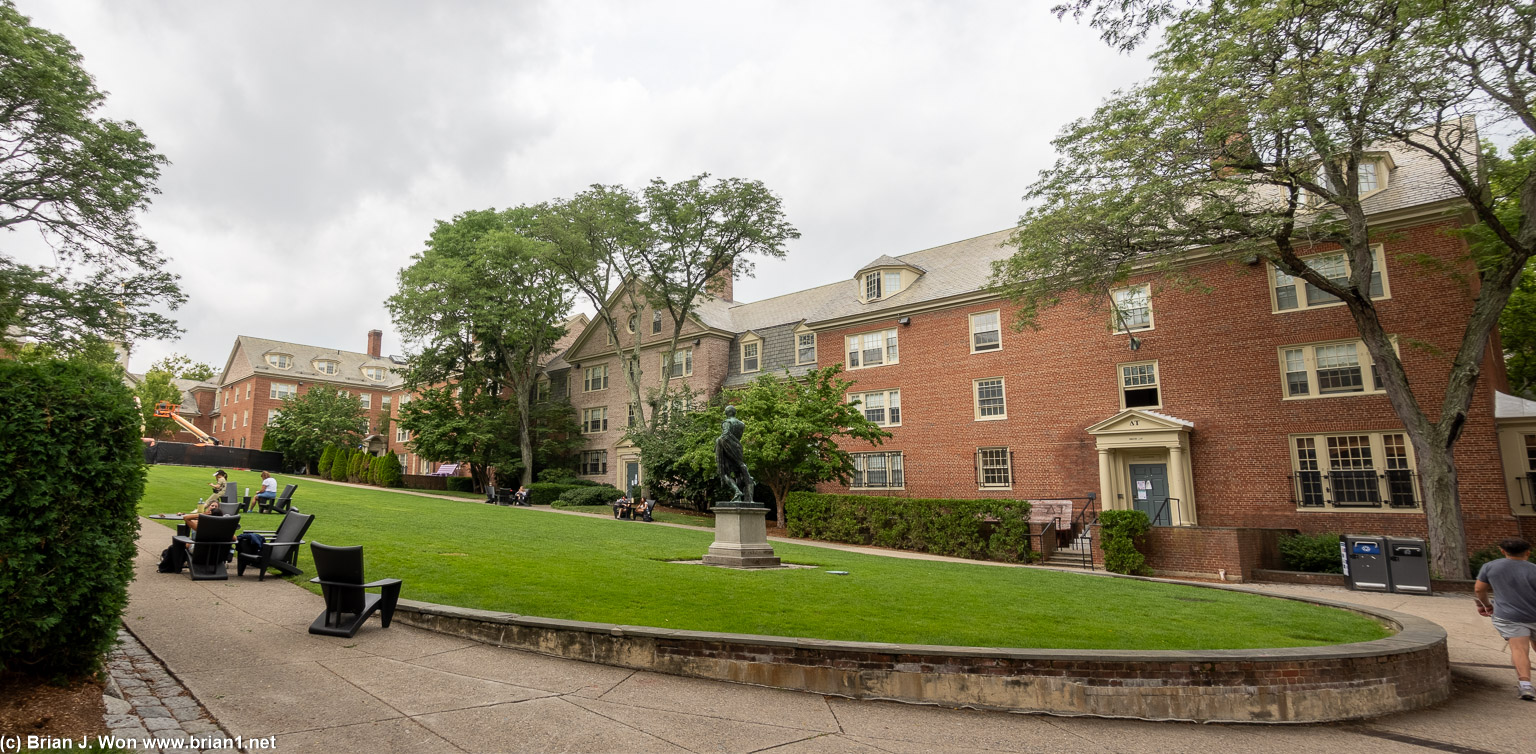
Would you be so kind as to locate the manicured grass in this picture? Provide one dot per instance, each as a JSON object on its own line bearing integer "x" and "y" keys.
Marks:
{"x": 573, "y": 567}
{"x": 663, "y": 516}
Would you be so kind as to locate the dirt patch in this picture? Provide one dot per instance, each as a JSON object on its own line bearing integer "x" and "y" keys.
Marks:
{"x": 31, "y": 706}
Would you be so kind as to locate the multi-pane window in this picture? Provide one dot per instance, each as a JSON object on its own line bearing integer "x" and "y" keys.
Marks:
{"x": 634, "y": 320}
{"x": 280, "y": 360}
{"x": 871, "y": 349}
{"x": 596, "y": 378}
{"x": 986, "y": 332}
{"x": 994, "y": 467}
{"x": 1292, "y": 293}
{"x": 882, "y": 407}
{"x": 1363, "y": 470}
{"x": 248, "y": 390}
{"x": 326, "y": 367}
{"x": 990, "y": 403}
{"x": 272, "y": 415}
{"x": 1133, "y": 309}
{"x": 630, "y": 422}
{"x": 1139, "y": 386}
{"x": 1367, "y": 174}
{"x": 594, "y": 420}
{"x": 281, "y": 391}
{"x": 594, "y": 462}
{"x": 245, "y": 418}
{"x": 872, "y": 286}
{"x": 878, "y": 471}
{"x": 1325, "y": 369}
{"x": 655, "y": 323}
{"x": 402, "y": 434}
{"x": 892, "y": 283}
{"x": 749, "y": 356}
{"x": 384, "y": 403}
{"x": 681, "y": 363}
{"x": 365, "y": 400}
{"x": 805, "y": 348}
{"x": 376, "y": 374}
{"x": 541, "y": 390}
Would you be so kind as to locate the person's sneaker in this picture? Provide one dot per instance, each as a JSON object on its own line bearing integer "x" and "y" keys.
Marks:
{"x": 1527, "y": 692}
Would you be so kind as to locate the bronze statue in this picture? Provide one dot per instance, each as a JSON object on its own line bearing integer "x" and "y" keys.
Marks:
{"x": 731, "y": 460}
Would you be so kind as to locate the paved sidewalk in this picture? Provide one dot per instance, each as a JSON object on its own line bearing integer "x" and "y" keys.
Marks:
{"x": 242, "y": 648}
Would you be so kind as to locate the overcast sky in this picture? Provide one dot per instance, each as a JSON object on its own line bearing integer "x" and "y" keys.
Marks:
{"x": 313, "y": 144}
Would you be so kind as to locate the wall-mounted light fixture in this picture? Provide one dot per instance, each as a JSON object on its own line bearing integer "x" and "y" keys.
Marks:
{"x": 1135, "y": 343}
{"x": 697, "y": 341}
{"x": 904, "y": 321}
{"x": 577, "y": 365}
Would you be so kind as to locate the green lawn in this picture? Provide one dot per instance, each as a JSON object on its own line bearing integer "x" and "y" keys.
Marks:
{"x": 666, "y": 517}
{"x": 573, "y": 567}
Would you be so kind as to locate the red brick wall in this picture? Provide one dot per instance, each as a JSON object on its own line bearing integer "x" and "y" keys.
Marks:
{"x": 1205, "y": 552}
{"x": 260, "y": 403}
{"x": 1218, "y": 367}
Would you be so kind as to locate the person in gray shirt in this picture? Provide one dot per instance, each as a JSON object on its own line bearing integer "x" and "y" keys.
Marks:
{"x": 1511, "y": 581}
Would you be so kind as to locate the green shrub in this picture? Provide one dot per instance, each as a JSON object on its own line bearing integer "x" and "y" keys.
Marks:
{"x": 1119, "y": 532}
{"x": 584, "y": 495}
{"x": 390, "y": 473}
{"x": 586, "y": 483}
{"x": 375, "y": 471}
{"x": 1483, "y": 556}
{"x": 987, "y": 529}
{"x": 359, "y": 471}
{"x": 460, "y": 484}
{"x": 74, "y": 473}
{"x": 339, "y": 464}
{"x": 327, "y": 456}
{"x": 546, "y": 493}
{"x": 556, "y": 476}
{"x": 1313, "y": 553}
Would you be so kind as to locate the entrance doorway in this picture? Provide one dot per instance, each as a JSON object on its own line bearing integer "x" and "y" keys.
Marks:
{"x": 1149, "y": 488}
{"x": 631, "y": 475}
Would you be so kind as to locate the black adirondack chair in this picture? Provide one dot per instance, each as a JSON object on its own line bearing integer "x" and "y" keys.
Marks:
{"x": 347, "y": 605}
{"x": 282, "y": 504}
{"x": 281, "y": 548}
{"x": 209, "y": 546}
{"x": 230, "y": 502}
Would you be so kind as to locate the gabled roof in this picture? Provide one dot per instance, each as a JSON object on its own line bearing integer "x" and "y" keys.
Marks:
{"x": 348, "y": 368}
{"x": 556, "y": 357}
{"x": 886, "y": 260}
{"x": 1506, "y": 406}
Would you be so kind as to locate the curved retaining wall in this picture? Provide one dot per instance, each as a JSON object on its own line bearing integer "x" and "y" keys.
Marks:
{"x": 1297, "y": 685}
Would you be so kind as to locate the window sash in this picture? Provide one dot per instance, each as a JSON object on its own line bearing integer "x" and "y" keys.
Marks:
{"x": 1335, "y": 267}
{"x": 1353, "y": 471}
{"x": 871, "y": 349}
{"x": 882, "y": 407}
{"x": 995, "y": 467}
{"x": 749, "y": 359}
{"x": 594, "y": 420}
{"x": 1134, "y": 309}
{"x": 655, "y": 323}
{"x": 282, "y": 390}
{"x": 878, "y": 471}
{"x": 1328, "y": 369}
{"x": 892, "y": 283}
{"x": 990, "y": 401}
{"x": 872, "y": 286}
{"x": 805, "y": 348}
{"x": 986, "y": 333}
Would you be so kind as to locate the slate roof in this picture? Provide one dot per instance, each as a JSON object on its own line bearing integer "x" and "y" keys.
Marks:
{"x": 886, "y": 260}
{"x": 1506, "y": 406}
{"x": 573, "y": 328}
{"x": 349, "y": 369}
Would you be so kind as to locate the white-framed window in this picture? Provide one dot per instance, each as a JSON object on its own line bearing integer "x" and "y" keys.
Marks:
{"x": 594, "y": 462}
{"x": 245, "y": 418}
{"x": 272, "y": 415}
{"x": 1140, "y": 386}
{"x": 326, "y": 366}
{"x": 595, "y": 379}
{"x": 365, "y": 400}
{"x": 1354, "y": 470}
{"x": 878, "y": 471}
{"x": 750, "y": 360}
{"x": 1288, "y": 293}
{"x": 1322, "y": 370}
{"x": 991, "y": 404}
{"x": 891, "y": 282}
{"x": 280, "y": 360}
{"x": 384, "y": 403}
{"x": 632, "y": 322}
{"x": 655, "y": 323}
{"x": 882, "y": 407}
{"x": 541, "y": 390}
{"x": 805, "y": 348}
{"x": 282, "y": 390}
{"x": 377, "y": 374}
{"x": 223, "y": 423}
{"x": 681, "y": 363}
{"x": 871, "y": 286}
{"x": 402, "y": 434}
{"x": 594, "y": 420}
{"x": 986, "y": 331}
{"x": 1133, "y": 308}
{"x": 216, "y": 396}
{"x": 248, "y": 390}
{"x": 630, "y": 422}
{"x": 871, "y": 349}
{"x": 1372, "y": 173}
{"x": 994, "y": 468}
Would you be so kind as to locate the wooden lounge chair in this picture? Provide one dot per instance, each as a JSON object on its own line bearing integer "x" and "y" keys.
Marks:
{"x": 281, "y": 548}
{"x": 208, "y": 548}
{"x": 347, "y": 605}
{"x": 282, "y": 504}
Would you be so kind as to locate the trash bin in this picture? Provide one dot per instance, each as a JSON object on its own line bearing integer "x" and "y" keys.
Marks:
{"x": 1408, "y": 565}
{"x": 1365, "y": 565}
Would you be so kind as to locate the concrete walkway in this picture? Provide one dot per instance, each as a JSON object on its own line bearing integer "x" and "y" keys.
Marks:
{"x": 242, "y": 648}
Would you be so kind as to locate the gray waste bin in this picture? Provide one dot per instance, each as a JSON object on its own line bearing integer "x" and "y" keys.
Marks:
{"x": 1408, "y": 565}
{"x": 1365, "y": 564}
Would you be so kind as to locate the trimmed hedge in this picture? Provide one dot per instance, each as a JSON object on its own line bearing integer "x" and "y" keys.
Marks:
{"x": 459, "y": 484}
{"x": 339, "y": 464}
{"x": 587, "y": 495}
{"x": 74, "y": 473}
{"x": 959, "y": 528}
{"x": 327, "y": 457}
{"x": 546, "y": 493}
{"x": 389, "y": 473}
{"x": 1313, "y": 553}
{"x": 1119, "y": 533}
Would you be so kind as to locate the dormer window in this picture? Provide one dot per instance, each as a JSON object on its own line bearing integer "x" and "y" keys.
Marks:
{"x": 326, "y": 367}
{"x": 892, "y": 282}
{"x": 1372, "y": 173}
{"x": 280, "y": 360}
{"x": 872, "y": 286}
{"x": 377, "y": 374}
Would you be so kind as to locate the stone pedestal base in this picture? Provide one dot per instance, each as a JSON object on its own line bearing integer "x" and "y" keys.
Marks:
{"x": 741, "y": 537}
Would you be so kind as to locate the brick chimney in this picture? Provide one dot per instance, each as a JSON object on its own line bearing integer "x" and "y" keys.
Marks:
{"x": 727, "y": 283}
{"x": 375, "y": 343}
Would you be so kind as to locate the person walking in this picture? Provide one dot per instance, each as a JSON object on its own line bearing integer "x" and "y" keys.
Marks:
{"x": 1511, "y": 581}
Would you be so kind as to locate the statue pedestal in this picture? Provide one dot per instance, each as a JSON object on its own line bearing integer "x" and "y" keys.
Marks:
{"x": 741, "y": 537}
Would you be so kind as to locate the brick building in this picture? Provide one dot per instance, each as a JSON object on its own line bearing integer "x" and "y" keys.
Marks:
{"x": 1250, "y": 404}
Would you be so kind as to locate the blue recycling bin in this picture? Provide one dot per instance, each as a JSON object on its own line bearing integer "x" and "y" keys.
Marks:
{"x": 1366, "y": 566}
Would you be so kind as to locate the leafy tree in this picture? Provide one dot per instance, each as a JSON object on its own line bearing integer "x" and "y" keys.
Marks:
{"x": 183, "y": 367}
{"x": 556, "y": 437}
{"x": 155, "y": 387}
{"x": 80, "y": 181}
{"x": 319, "y": 418}
{"x": 1517, "y": 323}
{"x": 795, "y": 432}
{"x": 468, "y": 424}
{"x": 485, "y": 310}
{"x": 668, "y": 248}
{"x": 1247, "y": 140}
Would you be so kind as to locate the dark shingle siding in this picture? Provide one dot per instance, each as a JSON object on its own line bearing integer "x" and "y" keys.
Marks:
{"x": 778, "y": 354}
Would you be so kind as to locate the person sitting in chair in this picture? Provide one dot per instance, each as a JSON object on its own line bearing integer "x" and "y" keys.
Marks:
{"x": 209, "y": 507}
{"x": 621, "y": 507}
{"x": 645, "y": 509}
{"x": 268, "y": 494}
{"x": 521, "y": 496}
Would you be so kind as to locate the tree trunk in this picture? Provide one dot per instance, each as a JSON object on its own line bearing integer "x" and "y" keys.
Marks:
{"x": 525, "y": 436}
{"x": 1442, "y": 509}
